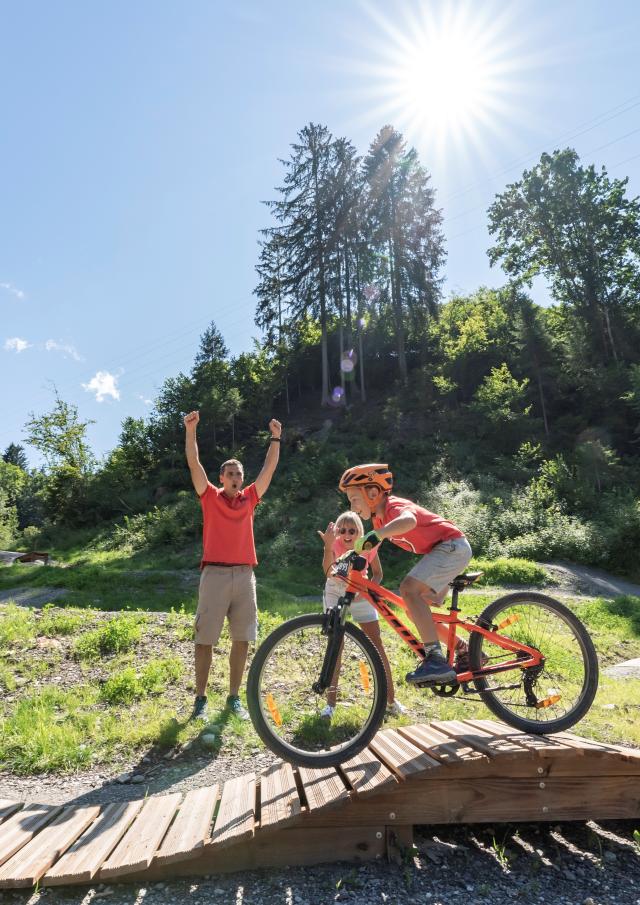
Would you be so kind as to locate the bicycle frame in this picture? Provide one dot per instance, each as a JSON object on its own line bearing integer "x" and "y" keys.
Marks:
{"x": 378, "y": 596}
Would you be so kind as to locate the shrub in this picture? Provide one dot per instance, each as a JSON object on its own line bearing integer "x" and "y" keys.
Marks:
{"x": 509, "y": 572}
{"x": 60, "y": 622}
{"x": 157, "y": 674}
{"x": 118, "y": 635}
{"x": 122, "y": 688}
{"x": 173, "y": 525}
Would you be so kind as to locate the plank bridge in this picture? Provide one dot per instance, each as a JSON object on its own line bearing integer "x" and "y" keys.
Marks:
{"x": 470, "y": 771}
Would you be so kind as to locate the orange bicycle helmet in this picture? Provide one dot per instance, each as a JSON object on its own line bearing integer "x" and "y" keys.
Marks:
{"x": 372, "y": 475}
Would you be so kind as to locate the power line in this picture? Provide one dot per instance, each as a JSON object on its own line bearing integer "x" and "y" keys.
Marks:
{"x": 586, "y": 153}
{"x": 588, "y": 125}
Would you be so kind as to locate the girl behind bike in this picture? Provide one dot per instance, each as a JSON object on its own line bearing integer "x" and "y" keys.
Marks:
{"x": 338, "y": 539}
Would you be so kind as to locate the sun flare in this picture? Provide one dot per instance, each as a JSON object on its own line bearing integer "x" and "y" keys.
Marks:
{"x": 447, "y": 74}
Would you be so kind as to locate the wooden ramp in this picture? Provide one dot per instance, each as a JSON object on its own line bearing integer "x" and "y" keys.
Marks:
{"x": 470, "y": 771}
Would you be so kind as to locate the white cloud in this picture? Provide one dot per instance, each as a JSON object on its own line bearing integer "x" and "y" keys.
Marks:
{"x": 15, "y": 344}
{"x": 18, "y": 293}
{"x": 103, "y": 384}
{"x": 146, "y": 401}
{"x": 52, "y": 346}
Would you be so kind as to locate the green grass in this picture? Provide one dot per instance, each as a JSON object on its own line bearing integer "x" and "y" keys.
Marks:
{"x": 128, "y": 685}
{"x": 17, "y": 625}
{"x": 131, "y": 695}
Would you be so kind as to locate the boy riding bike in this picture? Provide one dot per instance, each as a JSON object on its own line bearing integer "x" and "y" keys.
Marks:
{"x": 444, "y": 549}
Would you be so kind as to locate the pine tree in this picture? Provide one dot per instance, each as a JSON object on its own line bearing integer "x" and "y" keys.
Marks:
{"x": 14, "y": 454}
{"x": 306, "y": 214}
{"x": 405, "y": 228}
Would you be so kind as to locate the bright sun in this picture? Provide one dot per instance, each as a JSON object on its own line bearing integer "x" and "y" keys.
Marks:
{"x": 446, "y": 81}
{"x": 445, "y": 74}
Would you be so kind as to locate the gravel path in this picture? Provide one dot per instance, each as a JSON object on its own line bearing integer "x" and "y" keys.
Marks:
{"x": 568, "y": 864}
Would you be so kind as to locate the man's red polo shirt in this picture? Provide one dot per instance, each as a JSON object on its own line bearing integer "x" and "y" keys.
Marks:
{"x": 227, "y": 533}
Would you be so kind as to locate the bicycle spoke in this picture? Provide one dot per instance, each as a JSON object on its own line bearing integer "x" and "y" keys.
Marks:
{"x": 555, "y": 689}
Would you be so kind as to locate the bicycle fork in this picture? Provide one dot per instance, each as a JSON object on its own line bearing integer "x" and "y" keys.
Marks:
{"x": 334, "y": 630}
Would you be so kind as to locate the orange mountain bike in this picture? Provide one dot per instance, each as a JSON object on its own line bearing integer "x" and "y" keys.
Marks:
{"x": 530, "y": 660}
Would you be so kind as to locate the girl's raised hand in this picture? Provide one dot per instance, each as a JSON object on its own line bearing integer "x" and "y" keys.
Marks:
{"x": 329, "y": 535}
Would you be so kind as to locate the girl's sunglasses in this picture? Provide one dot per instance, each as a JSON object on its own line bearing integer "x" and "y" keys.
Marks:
{"x": 348, "y": 531}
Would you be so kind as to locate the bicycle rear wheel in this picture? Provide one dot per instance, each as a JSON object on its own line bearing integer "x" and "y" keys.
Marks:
{"x": 285, "y": 709}
{"x": 543, "y": 699}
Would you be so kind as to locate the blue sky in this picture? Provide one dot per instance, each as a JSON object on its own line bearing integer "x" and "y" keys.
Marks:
{"x": 139, "y": 139}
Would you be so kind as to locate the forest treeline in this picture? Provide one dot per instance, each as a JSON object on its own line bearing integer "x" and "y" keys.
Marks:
{"x": 522, "y": 421}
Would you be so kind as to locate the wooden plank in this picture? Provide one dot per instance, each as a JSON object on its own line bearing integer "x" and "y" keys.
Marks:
{"x": 441, "y": 747}
{"x": 486, "y": 799}
{"x": 191, "y": 828}
{"x": 603, "y": 748}
{"x": 237, "y": 815}
{"x": 19, "y": 829}
{"x": 30, "y": 863}
{"x": 83, "y": 860}
{"x": 8, "y": 807}
{"x": 400, "y": 755}
{"x": 279, "y": 800}
{"x": 136, "y": 849}
{"x": 280, "y": 848}
{"x": 322, "y": 788}
{"x": 541, "y": 744}
{"x": 481, "y": 740}
{"x": 365, "y": 773}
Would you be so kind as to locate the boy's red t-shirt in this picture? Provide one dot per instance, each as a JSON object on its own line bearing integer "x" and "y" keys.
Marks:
{"x": 430, "y": 530}
{"x": 227, "y": 530}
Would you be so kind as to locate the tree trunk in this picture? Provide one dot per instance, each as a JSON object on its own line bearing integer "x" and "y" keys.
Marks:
{"x": 542, "y": 402}
{"x": 324, "y": 394}
{"x": 396, "y": 304}
{"x": 363, "y": 394}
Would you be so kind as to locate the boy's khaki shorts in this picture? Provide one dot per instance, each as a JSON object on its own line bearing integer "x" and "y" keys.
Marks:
{"x": 441, "y": 565}
{"x": 226, "y": 591}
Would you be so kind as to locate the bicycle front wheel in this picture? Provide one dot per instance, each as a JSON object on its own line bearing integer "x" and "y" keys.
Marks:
{"x": 286, "y": 710}
{"x": 542, "y": 699}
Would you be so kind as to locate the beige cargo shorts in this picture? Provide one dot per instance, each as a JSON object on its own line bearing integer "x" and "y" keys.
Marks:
{"x": 226, "y": 592}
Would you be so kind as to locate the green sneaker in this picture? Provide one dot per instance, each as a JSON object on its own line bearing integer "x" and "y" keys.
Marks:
{"x": 235, "y": 706}
{"x": 199, "y": 711}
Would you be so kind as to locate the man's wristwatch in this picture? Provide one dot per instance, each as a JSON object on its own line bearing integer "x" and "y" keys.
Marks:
{"x": 274, "y": 439}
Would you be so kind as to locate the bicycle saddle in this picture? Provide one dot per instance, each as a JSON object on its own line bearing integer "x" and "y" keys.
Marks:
{"x": 465, "y": 579}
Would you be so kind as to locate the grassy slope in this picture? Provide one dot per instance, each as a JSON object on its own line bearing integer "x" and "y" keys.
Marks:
{"x": 69, "y": 703}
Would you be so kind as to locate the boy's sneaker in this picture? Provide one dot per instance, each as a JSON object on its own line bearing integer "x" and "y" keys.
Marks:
{"x": 327, "y": 713}
{"x": 433, "y": 669}
{"x": 235, "y": 706}
{"x": 396, "y": 709}
{"x": 199, "y": 711}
